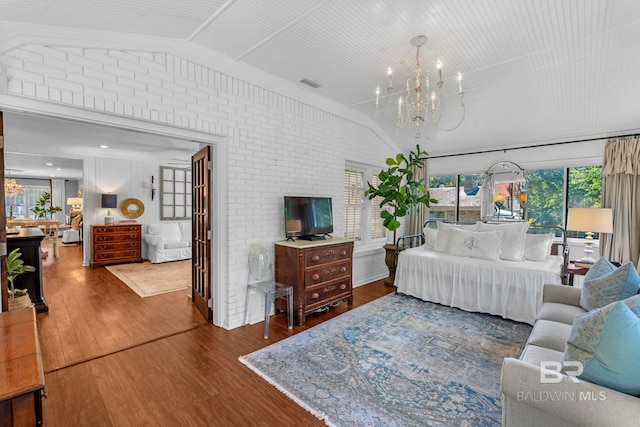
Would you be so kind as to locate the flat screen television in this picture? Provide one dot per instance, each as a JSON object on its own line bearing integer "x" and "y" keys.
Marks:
{"x": 308, "y": 218}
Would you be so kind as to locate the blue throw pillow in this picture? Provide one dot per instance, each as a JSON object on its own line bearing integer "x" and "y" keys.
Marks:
{"x": 600, "y": 268}
{"x": 621, "y": 283}
{"x": 607, "y": 343}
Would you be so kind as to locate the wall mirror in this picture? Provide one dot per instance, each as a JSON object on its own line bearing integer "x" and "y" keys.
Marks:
{"x": 175, "y": 193}
{"x": 504, "y": 193}
{"x": 132, "y": 208}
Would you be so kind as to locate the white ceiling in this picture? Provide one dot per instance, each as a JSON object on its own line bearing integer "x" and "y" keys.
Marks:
{"x": 534, "y": 71}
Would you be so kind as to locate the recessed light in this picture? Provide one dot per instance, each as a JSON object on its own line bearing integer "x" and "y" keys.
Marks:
{"x": 104, "y": 146}
{"x": 49, "y": 164}
{"x": 58, "y": 169}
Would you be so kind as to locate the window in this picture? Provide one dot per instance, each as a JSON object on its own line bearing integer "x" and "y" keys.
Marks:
{"x": 362, "y": 216}
{"x": 19, "y": 206}
{"x": 175, "y": 193}
{"x": 550, "y": 192}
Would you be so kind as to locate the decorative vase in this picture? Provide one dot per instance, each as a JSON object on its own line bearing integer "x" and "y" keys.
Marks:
{"x": 23, "y": 301}
{"x": 391, "y": 259}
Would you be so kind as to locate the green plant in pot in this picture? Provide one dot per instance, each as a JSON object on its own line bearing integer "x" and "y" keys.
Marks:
{"x": 15, "y": 266}
{"x": 43, "y": 208}
{"x": 401, "y": 193}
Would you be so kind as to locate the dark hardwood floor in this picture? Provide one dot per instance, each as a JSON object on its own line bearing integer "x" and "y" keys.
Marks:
{"x": 112, "y": 358}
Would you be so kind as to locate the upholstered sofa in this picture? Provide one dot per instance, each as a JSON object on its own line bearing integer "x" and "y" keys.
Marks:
{"x": 533, "y": 396}
{"x": 166, "y": 241}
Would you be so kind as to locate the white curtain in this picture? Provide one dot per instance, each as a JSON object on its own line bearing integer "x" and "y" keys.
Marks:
{"x": 417, "y": 217}
{"x": 58, "y": 198}
{"x": 621, "y": 193}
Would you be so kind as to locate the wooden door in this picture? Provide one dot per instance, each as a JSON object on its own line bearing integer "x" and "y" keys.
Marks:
{"x": 200, "y": 240}
{"x": 3, "y": 224}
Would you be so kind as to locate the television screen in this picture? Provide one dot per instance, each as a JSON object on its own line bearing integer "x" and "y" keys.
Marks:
{"x": 308, "y": 217}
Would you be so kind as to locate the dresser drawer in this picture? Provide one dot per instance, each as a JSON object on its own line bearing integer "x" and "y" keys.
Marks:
{"x": 318, "y": 296}
{"x": 114, "y": 255}
{"x": 116, "y": 229}
{"x": 326, "y": 273}
{"x": 327, "y": 255}
{"x": 111, "y": 246}
{"x": 116, "y": 237}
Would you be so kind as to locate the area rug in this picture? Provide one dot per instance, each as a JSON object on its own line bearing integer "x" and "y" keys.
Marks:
{"x": 147, "y": 279}
{"x": 397, "y": 361}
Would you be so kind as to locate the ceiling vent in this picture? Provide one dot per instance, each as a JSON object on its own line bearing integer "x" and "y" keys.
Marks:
{"x": 311, "y": 83}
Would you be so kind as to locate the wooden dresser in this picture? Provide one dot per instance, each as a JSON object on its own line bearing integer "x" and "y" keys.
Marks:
{"x": 115, "y": 244}
{"x": 21, "y": 373}
{"x": 320, "y": 272}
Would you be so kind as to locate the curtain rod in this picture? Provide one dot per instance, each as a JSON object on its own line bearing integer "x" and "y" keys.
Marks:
{"x": 549, "y": 144}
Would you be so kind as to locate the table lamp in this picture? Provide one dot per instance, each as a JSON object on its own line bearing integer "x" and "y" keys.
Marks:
{"x": 590, "y": 220}
{"x": 109, "y": 201}
{"x": 76, "y": 205}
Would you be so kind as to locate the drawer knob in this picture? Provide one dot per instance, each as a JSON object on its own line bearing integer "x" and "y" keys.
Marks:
{"x": 315, "y": 276}
{"x": 315, "y": 295}
{"x": 315, "y": 258}
{"x": 343, "y": 269}
{"x": 343, "y": 253}
{"x": 343, "y": 287}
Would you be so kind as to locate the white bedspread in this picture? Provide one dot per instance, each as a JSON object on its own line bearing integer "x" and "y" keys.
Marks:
{"x": 510, "y": 289}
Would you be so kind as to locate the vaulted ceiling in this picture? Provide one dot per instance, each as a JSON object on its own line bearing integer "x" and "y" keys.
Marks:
{"x": 533, "y": 71}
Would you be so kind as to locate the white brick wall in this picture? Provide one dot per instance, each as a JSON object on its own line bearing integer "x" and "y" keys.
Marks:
{"x": 277, "y": 145}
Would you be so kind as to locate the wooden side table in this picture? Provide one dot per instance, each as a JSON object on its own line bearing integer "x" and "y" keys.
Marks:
{"x": 21, "y": 373}
{"x": 573, "y": 269}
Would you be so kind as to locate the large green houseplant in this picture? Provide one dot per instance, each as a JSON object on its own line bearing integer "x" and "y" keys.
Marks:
{"x": 401, "y": 193}
{"x": 43, "y": 208}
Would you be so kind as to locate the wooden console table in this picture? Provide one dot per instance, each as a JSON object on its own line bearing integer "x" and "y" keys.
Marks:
{"x": 320, "y": 272}
{"x": 28, "y": 240}
{"x": 21, "y": 373}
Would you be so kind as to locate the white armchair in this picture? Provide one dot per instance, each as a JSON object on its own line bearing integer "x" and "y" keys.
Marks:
{"x": 167, "y": 241}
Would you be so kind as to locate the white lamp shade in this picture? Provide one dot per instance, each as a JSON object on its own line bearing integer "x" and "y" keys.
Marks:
{"x": 596, "y": 220}
{"x": 74, "y": 201}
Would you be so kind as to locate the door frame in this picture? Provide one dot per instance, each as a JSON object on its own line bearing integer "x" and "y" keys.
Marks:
{"x": 218, "y": 176}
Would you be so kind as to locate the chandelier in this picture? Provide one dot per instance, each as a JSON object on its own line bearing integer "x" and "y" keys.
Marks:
{"x": 420, "y": 103}
{"x": 11, "y": 187}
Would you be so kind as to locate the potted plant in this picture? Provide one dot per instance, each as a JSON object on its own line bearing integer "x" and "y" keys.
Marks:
{"x": 401, "y": 193}
{"x": 43, "y": 208}
{"x": 18, "y": 298}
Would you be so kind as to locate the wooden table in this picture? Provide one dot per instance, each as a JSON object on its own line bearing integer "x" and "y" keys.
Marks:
{"x": 573, "y": 269}
{"x": 21, "y": 373}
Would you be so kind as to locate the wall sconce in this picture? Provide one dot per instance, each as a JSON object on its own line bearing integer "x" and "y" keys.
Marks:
{"x": 109, "y": 201}
{"x": 153, "y": 188}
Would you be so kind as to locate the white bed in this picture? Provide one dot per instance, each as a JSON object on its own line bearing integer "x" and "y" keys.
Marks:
{"x": 510, "y": 289}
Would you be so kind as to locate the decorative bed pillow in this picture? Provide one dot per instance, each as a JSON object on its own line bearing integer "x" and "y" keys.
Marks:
{"x": 513, "y": 242}
{"x": 442, "y": 242}
{"x": 537, "y": 247}
{"x": 475, "y": 244}
{"x": 430, "y": 237}
{"x": 617, "y": 285}
{"x": 607, "y": 343}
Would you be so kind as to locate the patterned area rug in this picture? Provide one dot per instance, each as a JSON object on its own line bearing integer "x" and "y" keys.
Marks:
{"x": 147, "y": 279}
{"x": 397, "y": 361}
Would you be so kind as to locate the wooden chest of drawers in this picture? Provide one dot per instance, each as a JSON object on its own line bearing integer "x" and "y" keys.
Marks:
{"x": 115, "y": 244}
{"x": 320, "y": 273}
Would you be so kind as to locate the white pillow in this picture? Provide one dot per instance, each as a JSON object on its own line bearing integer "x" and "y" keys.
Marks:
{"x": 537, "y": 247}
{"x": 154, "y": 229}
{"x": 475, "y": 244}
{"x": 430, "y": 237}
{"x": 513, "y": 242}
{"x": 443, "y": 234}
